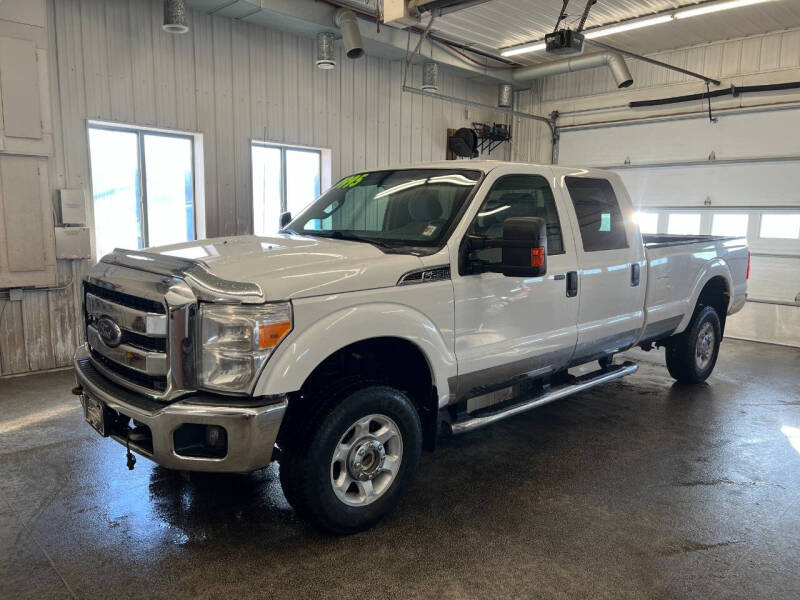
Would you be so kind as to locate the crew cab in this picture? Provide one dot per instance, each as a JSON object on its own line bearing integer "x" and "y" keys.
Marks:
{"x": 402, "y": 305}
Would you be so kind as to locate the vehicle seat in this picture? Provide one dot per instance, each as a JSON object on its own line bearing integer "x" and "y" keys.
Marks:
{"x": 424, "y": 209}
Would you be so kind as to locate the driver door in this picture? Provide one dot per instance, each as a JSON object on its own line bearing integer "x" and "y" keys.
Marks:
{"x": 506, "y": 326}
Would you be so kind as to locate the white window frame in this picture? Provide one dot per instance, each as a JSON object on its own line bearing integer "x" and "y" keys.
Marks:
{"x": 198, "y": 182}
{"x": 324, "y": 167}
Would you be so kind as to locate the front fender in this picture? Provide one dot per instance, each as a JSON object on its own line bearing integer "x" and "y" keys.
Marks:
{"x": 716, "y": 267}
{"x": 293, "y": 362}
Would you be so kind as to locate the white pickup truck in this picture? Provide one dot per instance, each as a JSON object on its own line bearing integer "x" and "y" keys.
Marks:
{"x": 401, "y": 305}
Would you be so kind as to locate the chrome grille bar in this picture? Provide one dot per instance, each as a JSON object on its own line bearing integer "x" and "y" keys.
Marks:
{"x": 149, "y": 363}
{"x": 146, "y": 323}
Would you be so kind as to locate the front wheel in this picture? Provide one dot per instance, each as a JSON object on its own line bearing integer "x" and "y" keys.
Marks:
{"x": 691, "y": 355}
{"x": 357, "y": 463}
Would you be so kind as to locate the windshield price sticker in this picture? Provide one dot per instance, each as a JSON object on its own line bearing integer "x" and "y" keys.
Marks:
{"x": 352, "y": 181}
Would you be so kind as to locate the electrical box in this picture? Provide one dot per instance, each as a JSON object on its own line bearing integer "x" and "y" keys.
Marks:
{"x": 73, "y": 242}
{"x": 73, "y": 207}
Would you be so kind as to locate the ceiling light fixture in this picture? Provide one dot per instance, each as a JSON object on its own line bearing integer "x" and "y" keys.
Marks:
{"x": 712, "y": 8}
{"x": 524, "y": 49}
{"x": 598, "y": 33}
{"x": 703, "y": 9}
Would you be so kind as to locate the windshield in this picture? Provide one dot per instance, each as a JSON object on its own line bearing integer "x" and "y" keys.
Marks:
{"x": 411, "y": 207}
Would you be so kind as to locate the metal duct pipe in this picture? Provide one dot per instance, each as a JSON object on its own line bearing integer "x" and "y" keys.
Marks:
{"x": 325, "y": 56}
{"x": 175, "y": 16}
{"x": 351, "y": 36}
{"x": 505, "y": 95}
{"x": 612, "y": 60}
{"x": 430, "y": 77}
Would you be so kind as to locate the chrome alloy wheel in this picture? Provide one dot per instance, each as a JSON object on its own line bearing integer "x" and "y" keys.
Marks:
{"x": 704, "y": 346}
{"x": 366, "y": 460}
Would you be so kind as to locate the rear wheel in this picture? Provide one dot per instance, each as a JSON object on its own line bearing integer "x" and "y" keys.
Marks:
{"x": 692, "y": 355}
{"x": 356, "y": 462}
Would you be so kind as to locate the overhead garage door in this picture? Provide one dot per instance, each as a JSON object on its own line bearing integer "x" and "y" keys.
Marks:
{"x": 740, "y": 174}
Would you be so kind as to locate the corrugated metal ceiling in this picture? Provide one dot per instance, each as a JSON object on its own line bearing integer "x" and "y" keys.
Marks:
{"x": 501, "y": 23}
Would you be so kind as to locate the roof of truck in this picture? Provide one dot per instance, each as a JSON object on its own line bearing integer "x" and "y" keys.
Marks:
{"x": 486, "y": 165}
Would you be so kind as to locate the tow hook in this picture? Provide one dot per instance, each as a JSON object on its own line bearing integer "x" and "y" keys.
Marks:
{"x": 130, "y": 459}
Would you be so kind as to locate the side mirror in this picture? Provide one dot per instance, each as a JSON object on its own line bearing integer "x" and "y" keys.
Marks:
{"x": 286, "y": 218}
{"x": 524, "y": 247}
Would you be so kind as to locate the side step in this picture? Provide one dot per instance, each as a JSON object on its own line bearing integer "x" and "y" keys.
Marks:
{"x": 580, "y": 384}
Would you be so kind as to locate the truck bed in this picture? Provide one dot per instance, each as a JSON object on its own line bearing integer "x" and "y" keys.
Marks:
{"x": 658, "y": 240}
{"x": 676, "y": 265}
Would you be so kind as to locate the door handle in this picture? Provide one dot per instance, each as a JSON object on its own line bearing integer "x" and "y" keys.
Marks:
{"x": 572, "y": 284}
{"x": 635, "y": 274}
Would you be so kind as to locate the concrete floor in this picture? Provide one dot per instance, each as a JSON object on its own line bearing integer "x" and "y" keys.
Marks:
{"x": 641, "y": 488}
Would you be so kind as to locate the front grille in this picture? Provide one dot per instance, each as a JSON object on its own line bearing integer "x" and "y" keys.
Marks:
{"x": 145, "y": 342}
{"x": 157, "y": 384}
{"x": 145, "y": 349}
{"x": 142, "y": 304}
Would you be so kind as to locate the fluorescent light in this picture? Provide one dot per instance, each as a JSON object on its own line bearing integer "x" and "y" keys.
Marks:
{"x": 524, "y": 49}
{"x": 712, "y": 8}
{"x": 590, "y": 35}
{"x": 681, "y": 14}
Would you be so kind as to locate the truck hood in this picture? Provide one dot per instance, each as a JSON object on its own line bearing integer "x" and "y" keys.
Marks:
{"x": 291, "y": 266}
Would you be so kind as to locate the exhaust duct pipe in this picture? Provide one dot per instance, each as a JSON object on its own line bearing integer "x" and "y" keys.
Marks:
{"x": 505, "y": 95}
{"x": 174, "y": 16}
{"x": 612, "y": 60}
{"x": 351, "y": 36}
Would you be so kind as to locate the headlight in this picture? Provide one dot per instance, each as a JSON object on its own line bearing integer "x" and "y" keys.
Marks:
{"x": 236, "y": 340}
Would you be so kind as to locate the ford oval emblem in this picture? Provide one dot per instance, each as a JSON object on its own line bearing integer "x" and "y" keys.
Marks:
{"x": 109, "y": 331}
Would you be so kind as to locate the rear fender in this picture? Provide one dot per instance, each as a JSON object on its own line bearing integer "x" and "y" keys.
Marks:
{"x": 716, "y": 267}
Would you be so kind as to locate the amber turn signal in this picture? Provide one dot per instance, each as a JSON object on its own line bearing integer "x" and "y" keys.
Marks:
{"x": 537, "y": 257}
{"x": 270, "y": 334}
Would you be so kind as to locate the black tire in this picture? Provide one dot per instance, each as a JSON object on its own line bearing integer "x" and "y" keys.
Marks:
{"x": 683, "y": 363}
{"x": 306, "y": 466}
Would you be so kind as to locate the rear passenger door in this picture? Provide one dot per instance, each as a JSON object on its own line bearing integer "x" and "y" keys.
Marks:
{"x": 611, "y": 284}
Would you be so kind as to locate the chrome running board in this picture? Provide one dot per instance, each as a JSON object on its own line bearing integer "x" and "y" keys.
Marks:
{"x": 580, "y": 384}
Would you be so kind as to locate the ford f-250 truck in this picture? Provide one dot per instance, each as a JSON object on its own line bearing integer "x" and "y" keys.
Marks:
{"x": 400, "y": 305}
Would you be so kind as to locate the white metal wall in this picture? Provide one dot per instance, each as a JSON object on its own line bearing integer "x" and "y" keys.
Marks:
{"x": 664, "y": 153}
{"x": 235, "y": 82}
{"x": 232, "y": 82}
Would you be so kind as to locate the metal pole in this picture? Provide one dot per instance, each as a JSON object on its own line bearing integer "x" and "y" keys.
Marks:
{"x": 657, "y": 63}
{"x": 513, "y": 113}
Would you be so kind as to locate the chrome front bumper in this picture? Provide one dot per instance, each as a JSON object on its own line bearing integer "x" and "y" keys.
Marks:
{"x": 251, "y": 429}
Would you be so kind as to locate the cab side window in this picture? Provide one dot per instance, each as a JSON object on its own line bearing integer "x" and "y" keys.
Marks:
{"x": 517, "y": 196}
{"x": 599, "y": 217}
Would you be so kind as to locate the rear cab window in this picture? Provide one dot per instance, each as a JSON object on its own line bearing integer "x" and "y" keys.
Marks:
{"x": 600, "y": 219}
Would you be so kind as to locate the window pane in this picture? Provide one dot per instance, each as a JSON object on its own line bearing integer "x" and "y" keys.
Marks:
{"x": 684, "y": 223}
{"x": 266, "y": 189}
{"x": 302, "y": 179}
{"x": 115, "y": 190}
{"x": 780, "y": 225}
{"x": 647, "y": 221}
{"x": 599, "y": 217}
{"x": 517, "y": 196}
{"x": 170, "y": 193}
{"x": 729, "y": 224}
